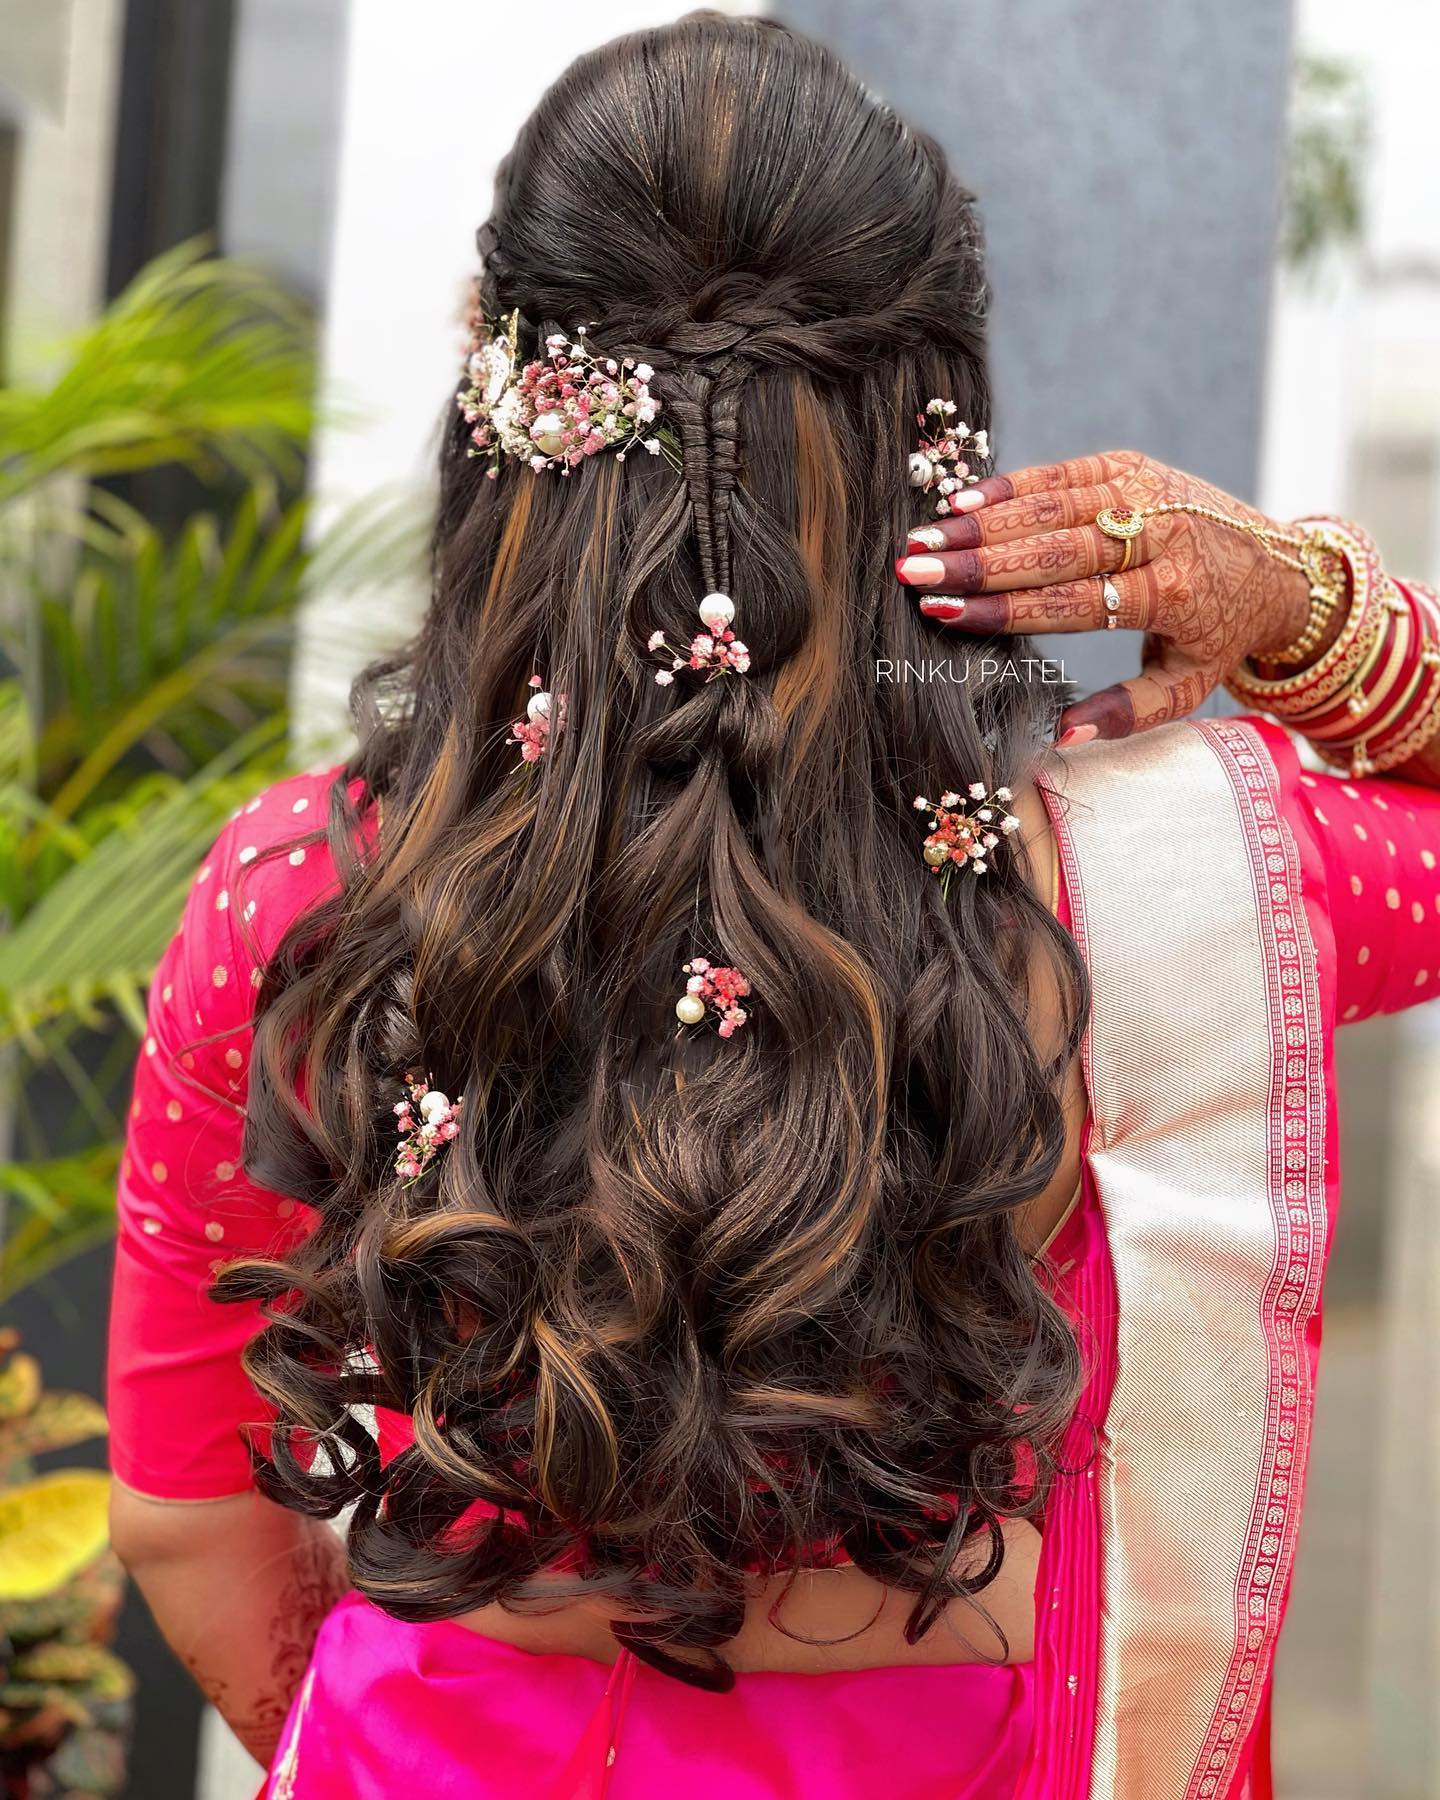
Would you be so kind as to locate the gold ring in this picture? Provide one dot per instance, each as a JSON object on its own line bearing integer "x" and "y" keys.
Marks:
{"x": 1112, "y": 602}
{"x": 1124, "y": 523}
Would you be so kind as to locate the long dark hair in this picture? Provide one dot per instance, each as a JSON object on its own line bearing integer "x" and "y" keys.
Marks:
{"x": 682, "y": 1311}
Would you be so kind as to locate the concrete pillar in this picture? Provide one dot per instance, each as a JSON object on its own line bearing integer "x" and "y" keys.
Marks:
{"x": 1128, "y": 171}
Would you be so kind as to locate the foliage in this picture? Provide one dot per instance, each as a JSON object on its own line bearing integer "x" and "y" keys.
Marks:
{"x": 143, "y": 688}
{"x": 1329, "y": 140}
{"x": 200, "y": 361}
{"x": 64, "y": 1695}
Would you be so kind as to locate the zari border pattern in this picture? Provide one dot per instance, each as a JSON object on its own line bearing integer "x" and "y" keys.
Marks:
{"x": 1296, "y": 1127}
{"x": 1208, "y": 1156}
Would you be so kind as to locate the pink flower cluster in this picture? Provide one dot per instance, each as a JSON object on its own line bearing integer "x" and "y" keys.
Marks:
{"x": 939, "y": 462}
{"x": 557, "y": 410}
{"x": 721, "y": 989}
{"x": 439, "y": 1121}
{"x": 532, "y": 733}
{"x": 964, "y": 831}
{"x": 714, "y": 651}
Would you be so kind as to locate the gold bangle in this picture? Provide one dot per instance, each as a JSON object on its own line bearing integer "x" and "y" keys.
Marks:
{"x": 1378, "y": 709}
{"x": 1414, "y": 740}
{"x": 1427, "y": 722}
{"x": 1390, "y": 647}
{"x": 1327, "y": 576}
{"x": 1364, "y": 623}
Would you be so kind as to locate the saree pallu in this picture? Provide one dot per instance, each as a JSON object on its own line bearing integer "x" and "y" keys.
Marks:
{"x": 1192, "y": 1268}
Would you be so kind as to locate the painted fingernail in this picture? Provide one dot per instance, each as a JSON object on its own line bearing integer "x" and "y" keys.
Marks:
{"x": 1076, "y": 734}
{"x": 944, "y": 612}
{"x": 928, "y": 537}
{"x": 993, "y": 487}
{"x": 968, "y": 499}
{"x": 920, "y": 571}
{"x": 1108, "y": 714}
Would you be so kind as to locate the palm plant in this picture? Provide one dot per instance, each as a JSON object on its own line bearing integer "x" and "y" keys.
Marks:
{"x": 143, "y": 680}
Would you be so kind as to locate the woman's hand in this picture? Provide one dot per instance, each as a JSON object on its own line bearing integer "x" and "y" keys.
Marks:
{"x": 1025, "y": 555}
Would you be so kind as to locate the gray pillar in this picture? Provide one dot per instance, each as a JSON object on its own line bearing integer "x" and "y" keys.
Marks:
{"x": 1127, "y": 164}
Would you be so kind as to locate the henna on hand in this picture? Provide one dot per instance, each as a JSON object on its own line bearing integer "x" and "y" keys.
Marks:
{"x": 1031, "y": 559}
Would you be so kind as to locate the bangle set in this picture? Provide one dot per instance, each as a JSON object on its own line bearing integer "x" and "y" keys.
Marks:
{"x": 1372, "y": 700}
{"x": 1306, "y": 553}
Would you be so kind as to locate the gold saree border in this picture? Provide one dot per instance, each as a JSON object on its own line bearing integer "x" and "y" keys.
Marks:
{"x": 1204, "y": 1062}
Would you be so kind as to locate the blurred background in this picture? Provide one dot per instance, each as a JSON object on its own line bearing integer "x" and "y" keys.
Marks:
{"x": 1216, "y": 238}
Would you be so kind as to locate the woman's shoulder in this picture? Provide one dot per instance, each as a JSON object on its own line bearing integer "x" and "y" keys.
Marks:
{"x": 1258, "y": 749}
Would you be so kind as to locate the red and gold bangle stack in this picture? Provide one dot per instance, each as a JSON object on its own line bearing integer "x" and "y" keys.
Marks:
{"x": 1372, "y": 700}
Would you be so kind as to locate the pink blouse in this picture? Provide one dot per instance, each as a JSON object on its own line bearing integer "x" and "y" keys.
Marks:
{"x": 178, "y": 1396}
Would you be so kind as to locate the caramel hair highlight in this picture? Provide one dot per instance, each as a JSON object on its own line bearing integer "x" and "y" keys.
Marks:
{"x": 673, "y": 1315}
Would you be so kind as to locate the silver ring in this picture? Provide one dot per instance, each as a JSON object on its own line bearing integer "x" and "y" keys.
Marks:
{"x": 1112, "y": 602}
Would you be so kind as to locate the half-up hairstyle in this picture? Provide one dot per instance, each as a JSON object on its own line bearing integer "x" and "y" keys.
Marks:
{"x": 673, "y": 1314}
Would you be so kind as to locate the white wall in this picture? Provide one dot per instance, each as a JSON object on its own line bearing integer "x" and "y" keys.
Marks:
{"x": 433, "y": 96}
{"x": 1355, "y": 370}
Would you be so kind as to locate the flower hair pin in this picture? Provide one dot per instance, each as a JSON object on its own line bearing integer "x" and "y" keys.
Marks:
{"x": 439, "y": 1121}
{"x": 940, "y": 460}
{"x": 717, "y": 650}
{"x": 532, "y": 733}
{"x": 713, "y": 988}
{"x": 964, "y": 830}
{"x": 555, "y": 411}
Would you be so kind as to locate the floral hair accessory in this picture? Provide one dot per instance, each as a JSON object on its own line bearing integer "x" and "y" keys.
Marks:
{"x": 940, "y": 460}
{"x": 963, "y": 831}
{"x": 559, "y": 409}
{"x": 532, "y": 733}
{"x": 717, "y": 650}
{"x": 715, "y": 988}
{"x": 439, "y": 1121}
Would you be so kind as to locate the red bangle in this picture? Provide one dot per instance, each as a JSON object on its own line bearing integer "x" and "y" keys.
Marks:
{"x": 1373, "y": 689}
{"x": 1387, "y": 738}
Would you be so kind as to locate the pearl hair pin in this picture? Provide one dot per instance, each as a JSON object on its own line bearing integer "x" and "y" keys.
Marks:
{"x": 421, "y": 1139}
{"x": 532, "y": 733}
{"x": 713, "y": 987}
{"x": 716, "y": 649}
{"x": 965, "y": 829}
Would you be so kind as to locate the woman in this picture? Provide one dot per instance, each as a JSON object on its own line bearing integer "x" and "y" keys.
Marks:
{"x": 824, "y": 1187}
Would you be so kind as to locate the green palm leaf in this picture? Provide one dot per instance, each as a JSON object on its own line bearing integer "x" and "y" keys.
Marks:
{"x": 201, "y": 361}
{"x": 143, "y": 685}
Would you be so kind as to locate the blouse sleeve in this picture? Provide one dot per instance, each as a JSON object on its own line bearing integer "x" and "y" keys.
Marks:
{"x": 178, "y": 1396}
{"x": 1378, "y": 839}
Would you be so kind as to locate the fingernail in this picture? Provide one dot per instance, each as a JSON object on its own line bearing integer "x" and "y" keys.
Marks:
{"x": 1076, "y": 734}
{"x": 944, "y": 612}
{"x": 928, "y": 537}
{"x": 967, "y": 500}
{"x": 920, "y": 571}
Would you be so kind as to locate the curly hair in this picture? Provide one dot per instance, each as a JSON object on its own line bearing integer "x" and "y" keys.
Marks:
{"x": 672, "y": 1313}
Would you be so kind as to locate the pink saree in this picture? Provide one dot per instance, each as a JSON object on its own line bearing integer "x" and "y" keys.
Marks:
{"x": 1230, "y": 907}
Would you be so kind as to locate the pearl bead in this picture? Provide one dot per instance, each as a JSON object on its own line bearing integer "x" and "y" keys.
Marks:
{"x": 717, "y": 610}
{"x": 922, "y": 470}
{"x": 689, "y": 1009}
{"x": 537, "y": 707}
{"x": 433, "y": 1105}
{"x": 936, "y": 855}
{"x": 546, "y": 433}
